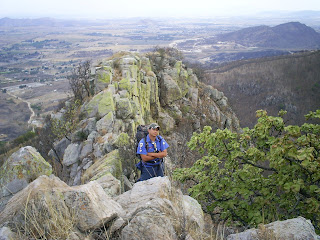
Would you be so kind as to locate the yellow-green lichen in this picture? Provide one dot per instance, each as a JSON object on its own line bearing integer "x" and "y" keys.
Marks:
{"x": 134, "y": 71}
{"x": 122, "y": 140}
{"x": 124, "y": 84}
{"x": 178, "y": 66}
{"x": 124, "y": 109}
{"x": 104, "y": 77}
{"x": 102, "y": 102}
{"x": 26, "y": 164}
{"x": 131, "y": 87}
{"x": 109, "y": 164}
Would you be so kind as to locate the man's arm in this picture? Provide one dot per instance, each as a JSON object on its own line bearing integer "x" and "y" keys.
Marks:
{"x": 146, "y": 158}
{"x": 158, "y": 155}
{"x": 151, "y": 155}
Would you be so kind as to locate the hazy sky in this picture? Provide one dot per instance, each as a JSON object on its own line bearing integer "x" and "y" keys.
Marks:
{"x": 147, "y": 8}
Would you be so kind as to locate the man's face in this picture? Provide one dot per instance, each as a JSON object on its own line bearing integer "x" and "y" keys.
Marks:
{"x": 153, "y": 132}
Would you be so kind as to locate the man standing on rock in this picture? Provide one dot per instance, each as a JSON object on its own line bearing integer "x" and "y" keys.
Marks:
{"x": 152, "y": 149}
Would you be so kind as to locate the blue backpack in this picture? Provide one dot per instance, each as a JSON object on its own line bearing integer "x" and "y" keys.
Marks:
{"x": 142, "y": 132}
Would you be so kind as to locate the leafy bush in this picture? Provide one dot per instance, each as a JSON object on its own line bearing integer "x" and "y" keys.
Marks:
{"x": 260, "y": 175}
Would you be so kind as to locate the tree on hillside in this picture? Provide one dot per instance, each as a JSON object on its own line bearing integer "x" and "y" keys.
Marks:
{"x": 260, "y": 175}
{"x": 55, "y": 129}
{"x": 79, "y": 81}
{"x": 64, "y": 126}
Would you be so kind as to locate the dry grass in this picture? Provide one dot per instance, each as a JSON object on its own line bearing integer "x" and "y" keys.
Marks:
{"x": 45, "y": 218}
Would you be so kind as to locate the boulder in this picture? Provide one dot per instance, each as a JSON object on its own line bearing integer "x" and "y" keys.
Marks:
{"x": 92, "y": 207}
{"x": 295, "y": 229}
{"x": 7, "y": 234}
{"x": 123, "y": 108}
{"x": 71, "y": 154}
{"x": 110, "y": 185}
{"x": 51, "y": 203}
{"x": 86, "y": 149}
{"x": 100, "y": 105}
{"x": 142, "y": 192}
{"x": 166, "y": 122}
{"x": 154, "y": 220}
{"x": 194, "y": 213}
{"x": 193, "y": 94}
{"x": 169, "y": 91}
{"x": 103, "y": 78}
{"x": 108, "y": 164}
{"x": 21, "y": 168}
{"x": 59, "y": 149}
{"x": 15, "y": 210}
{"x": 90, "y": 125}
{"x": 154, "y": 209}
{"x": 105, "y": 124}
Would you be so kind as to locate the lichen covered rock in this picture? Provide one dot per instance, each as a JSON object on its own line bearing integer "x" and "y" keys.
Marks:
{"x": 21, "y": 168}
{"x": 101, "y": 104}
{"x": 108, "y": 164}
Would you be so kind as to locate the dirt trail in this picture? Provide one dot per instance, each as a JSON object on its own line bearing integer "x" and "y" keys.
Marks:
{"x": 33, "y": 114}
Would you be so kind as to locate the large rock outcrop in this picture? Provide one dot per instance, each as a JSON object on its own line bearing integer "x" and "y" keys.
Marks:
{"x": 21, "y": 168}
{"x": 131, "y": 90}
{"x": 153, "y": 209}
{"x": 50, "y": 203}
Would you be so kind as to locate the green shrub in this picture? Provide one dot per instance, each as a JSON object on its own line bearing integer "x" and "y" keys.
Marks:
{"x": 82, "y": 135}
{"x": 260, "y": 175}
{"x": 24, "y": 137}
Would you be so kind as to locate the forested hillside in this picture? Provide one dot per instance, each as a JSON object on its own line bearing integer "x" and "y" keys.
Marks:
{"x": 289, "y": 82}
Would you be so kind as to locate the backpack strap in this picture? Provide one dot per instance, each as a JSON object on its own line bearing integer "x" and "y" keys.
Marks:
{"x": 146, "y": 143}
{"x": 160, "y": 138}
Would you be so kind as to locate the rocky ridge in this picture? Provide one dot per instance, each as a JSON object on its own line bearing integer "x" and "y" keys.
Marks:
{"x": 99, "y": 199}
{"x": 130, "y": 93}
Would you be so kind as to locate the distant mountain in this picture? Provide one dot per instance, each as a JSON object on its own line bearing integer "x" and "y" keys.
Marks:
{"x": 292, "y": 35}
{"x": 9, "y": 22}
{"x": 290, "y": 82}
{"x": 47, "y": 22}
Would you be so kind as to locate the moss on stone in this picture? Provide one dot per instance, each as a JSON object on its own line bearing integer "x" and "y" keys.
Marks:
{"x": 107, "y": 68}
{"x": 109, "y": 164}
{"x": 26, "y": 164}
{"x": 122, "y": 140}
{"x": 124, "y": 109}
{"x": 134, "y": 71}
{"x": 104, "y": 77}
{"x": 184, "y": 74}
{"x": 178, "y": 66}
{"x": 124, "y": 84}
{"x": 102, "y": 102}
{"x": 144, "y": 100}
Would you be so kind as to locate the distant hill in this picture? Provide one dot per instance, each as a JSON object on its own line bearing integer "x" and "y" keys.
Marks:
{"x": 292, "y": 35}
{"x": 290, "y": 82}
{"x": 46, "y": 22}
{"x": 9, "y": 22}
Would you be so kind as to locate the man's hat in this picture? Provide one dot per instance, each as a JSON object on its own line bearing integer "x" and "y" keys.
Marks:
{"x": 154, "y": 126}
